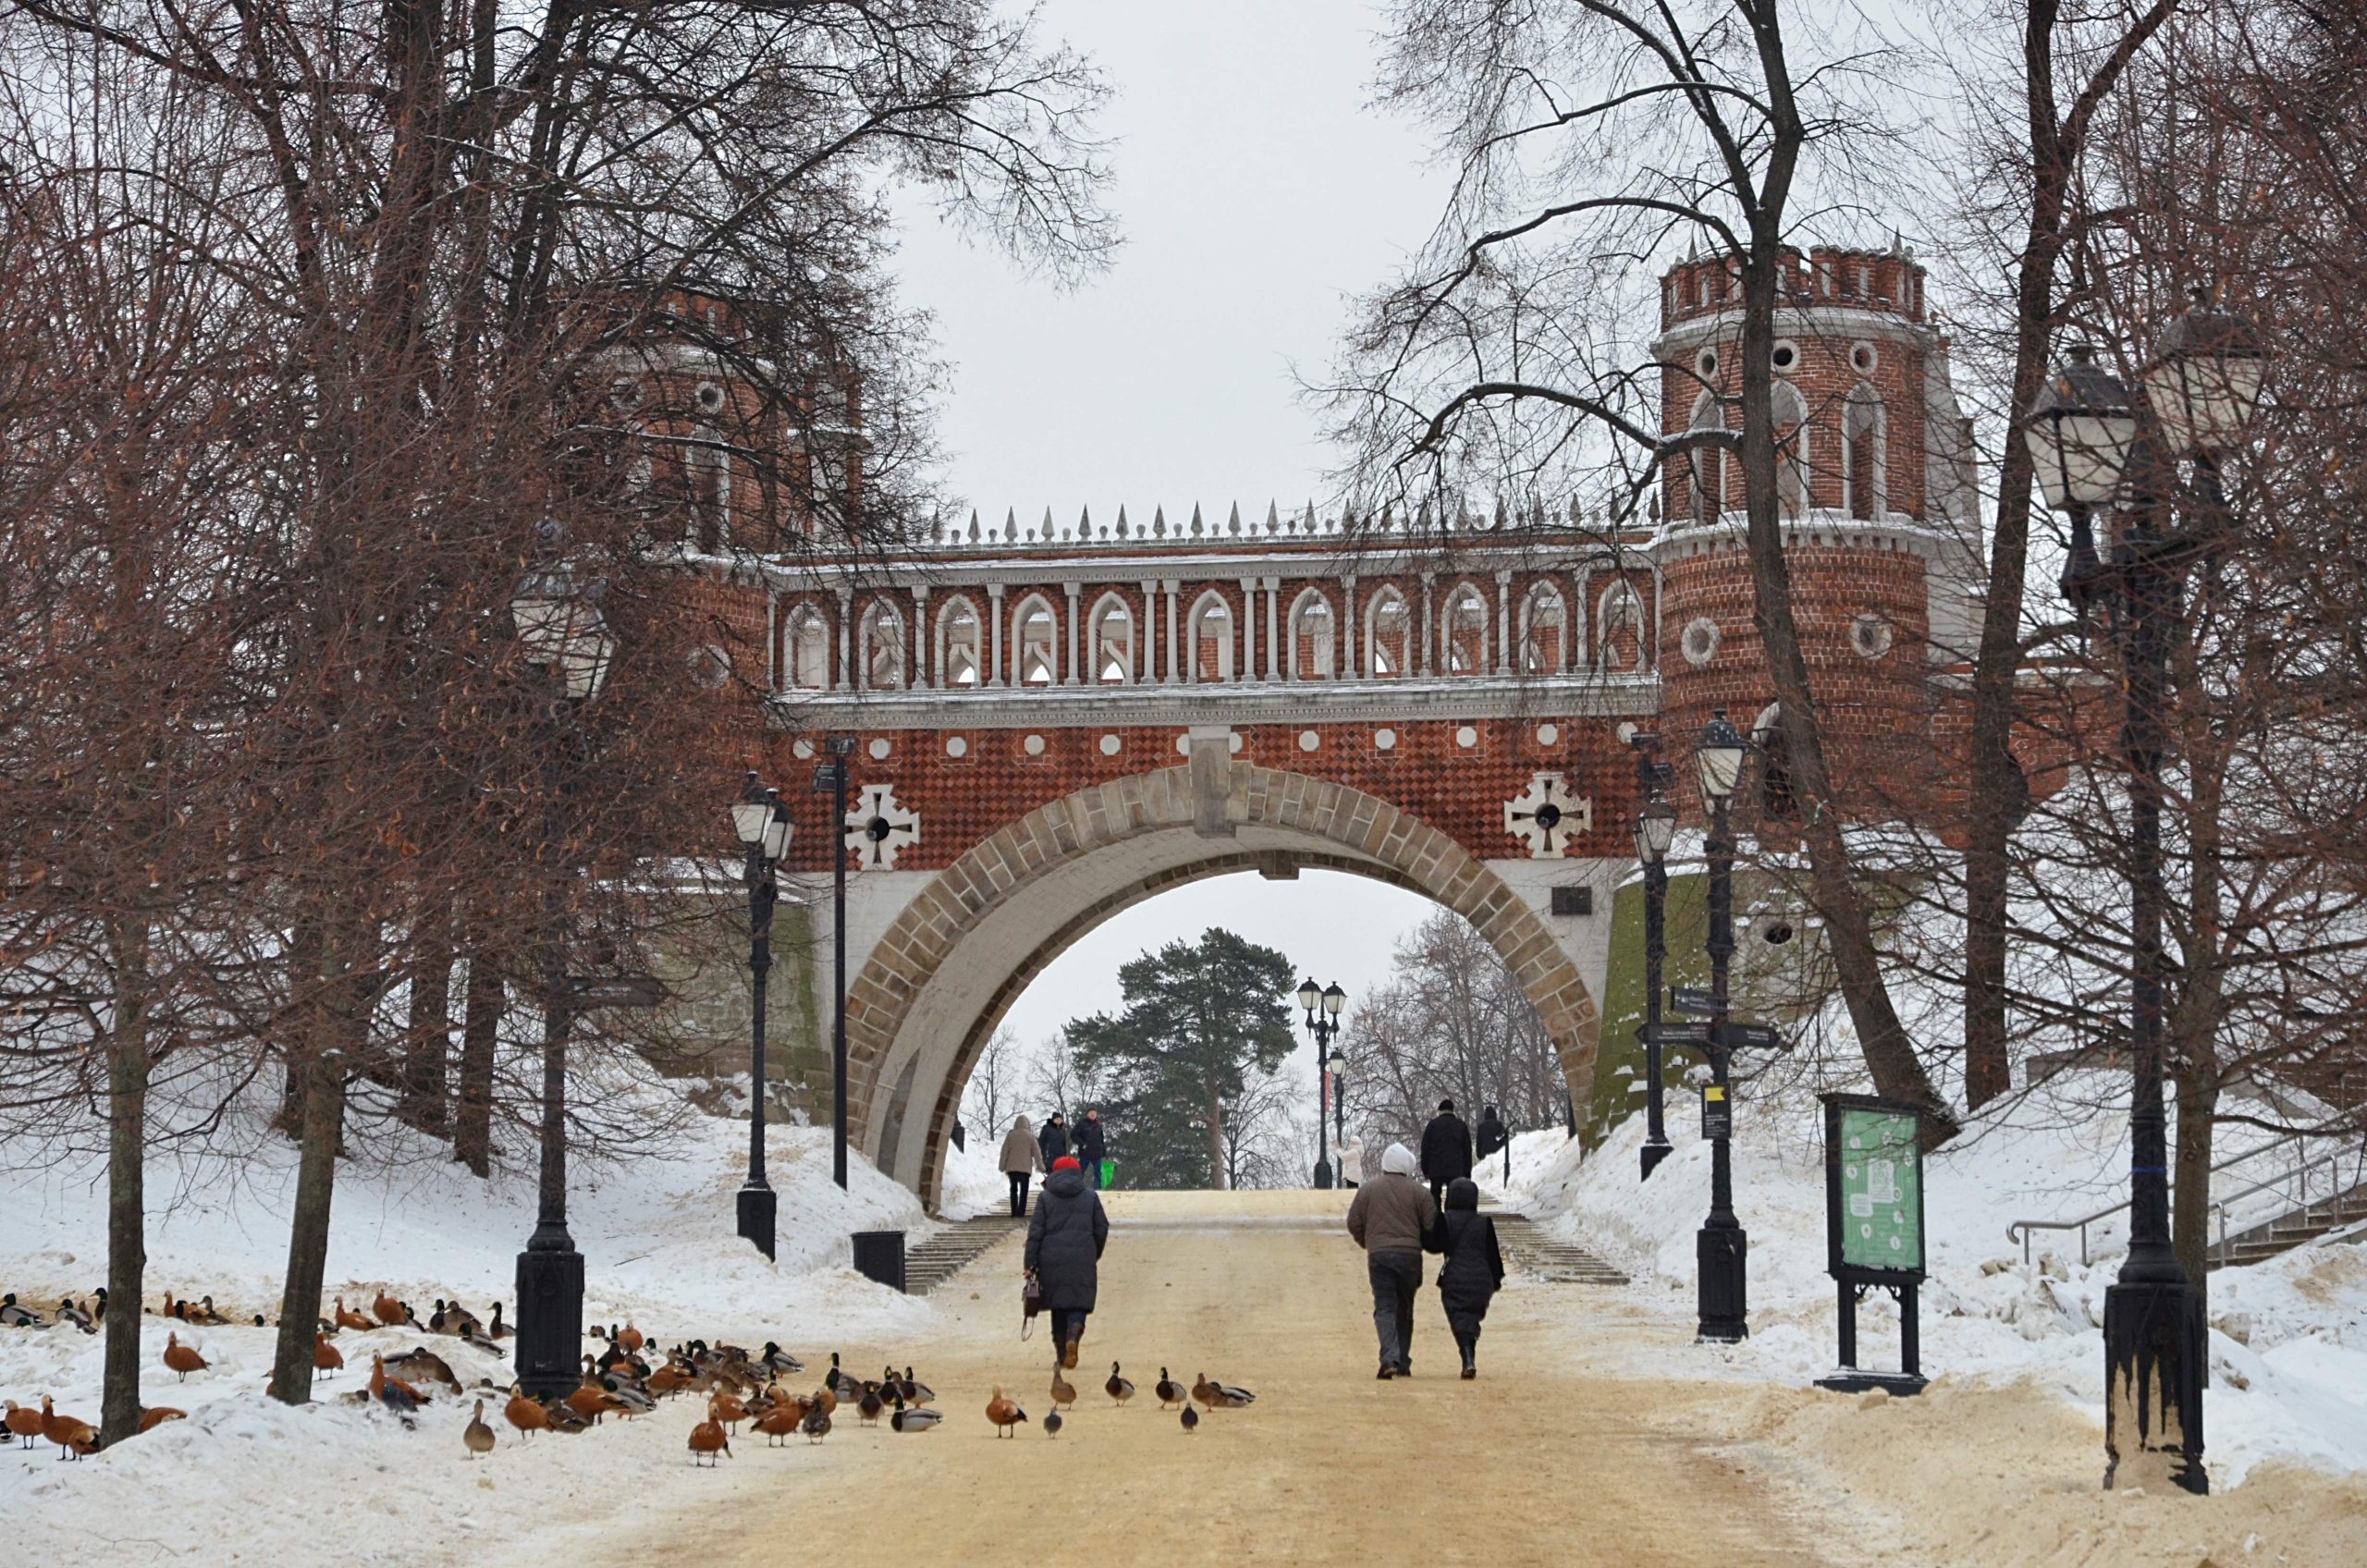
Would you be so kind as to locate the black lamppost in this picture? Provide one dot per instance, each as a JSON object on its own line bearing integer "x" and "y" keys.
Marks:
{"x": 762, "y": 823}
{"x": 1338, "y": 1065}
{"x": 1655, "y": 833}
{"x": 2202, "y": 389}
{"x": 1322, "y": 1005}
{"x": 558, "y": 618}
{"x": 1721, "y": 1249}
{"x": 830, "y": 779}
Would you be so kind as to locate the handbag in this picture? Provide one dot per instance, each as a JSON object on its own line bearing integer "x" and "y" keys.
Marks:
{"x": 1031, "y": 1301}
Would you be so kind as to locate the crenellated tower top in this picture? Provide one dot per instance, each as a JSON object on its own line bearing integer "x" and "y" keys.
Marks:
{"x": 1889, "y": 282}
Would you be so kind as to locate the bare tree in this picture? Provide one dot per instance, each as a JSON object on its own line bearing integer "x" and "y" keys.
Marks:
{"x": 992, "y": 1094}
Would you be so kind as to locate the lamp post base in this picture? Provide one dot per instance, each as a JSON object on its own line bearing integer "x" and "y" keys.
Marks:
{"x": 2153, "y": 1366}
{"x": 1722, "y": 1254}
{"x": 759, "y": 1206}
{"x": 550, "y": 1321}
{"x": 1323, "y": 1174}
{"x": 1653, "y": 1154}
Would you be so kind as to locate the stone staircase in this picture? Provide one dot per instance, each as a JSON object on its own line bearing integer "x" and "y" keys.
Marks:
{"x": 953, "y": 1247}
{"x": 1530, "y": 1251}
{"x": 2290, "y": 1230}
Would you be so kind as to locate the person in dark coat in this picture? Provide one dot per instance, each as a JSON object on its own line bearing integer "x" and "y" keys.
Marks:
{"x": 1091, "y": 1148}
{"x": 1492, "y": 1134}
{"x": 1473, "y": 1268}
{"x": 1055, "y": 1138}
{"x": 1065, "y": 1241}
{"x": 1446, "y": 1150}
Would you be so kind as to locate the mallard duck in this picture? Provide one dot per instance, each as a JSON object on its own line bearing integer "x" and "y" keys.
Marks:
{"x": 476, "y": 1434}
{"x": 1005, "y": 1414}
{"x": 70, "y": 1312}
{"x": 99, "y": 1304}
{"x": 1052, "y": 1424}
{"x": 635, "y": 1400}
{"x": 1191, "y": 1420}
{"x": 1169, "y": 1391}
{"x": 420, "y": 1364}
{"x": 13, "y": 1316}
{"x": 1215, "y": 1394}
{"x": 497, "y": 1330}
{"x": 914, "y": 1419}
{"x": 781, "y": 1360}
{"x": 204, "y": 1314}
{"x": 916, "y": 1391}
{"x": 182, "y": 1359}
{"x": 708, "y": 1438}
{"x": 1117, "y": 1388}
{"x": 1063, "y": 1392}
{"x": 869, "y": 1406}
{"x": 838, "y": 1382}
{"x": 816, "y": 1425}
{"x": 477, "y": 1338}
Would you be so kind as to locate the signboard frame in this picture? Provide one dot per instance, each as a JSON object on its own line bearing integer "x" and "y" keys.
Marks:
{"x": 1836, "y": 1264}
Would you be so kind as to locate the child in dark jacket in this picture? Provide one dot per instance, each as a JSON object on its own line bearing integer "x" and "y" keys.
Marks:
{"x": 1473, "y": 1268}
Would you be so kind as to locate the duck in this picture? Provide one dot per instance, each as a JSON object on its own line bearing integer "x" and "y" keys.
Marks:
{"x": 1117, "y": 1388}
{"x": 1169, "y": 1391}
{"x": 727, "y": 1408}
{"x": 816, "y": 1425}
{"x": 391, "y": 1313}
{"x": 869, "y": 1406}
{"x": 99, "y": 1304}
{"x": 174, "y": 1308}
{"x": 523, "y": 1414}
{"x": 838, "y": 1382}
{"x": 914, "y": 1419}
{"x": 182, "y": 1358}
{"x": 476, "y": 1435}
{"x": 23, "y": 1424}
{"x": 826, "y": 1399}
{"x": 393, "y": 1392}
{"x": 70, "y": 1312}
{"x": 420, "y": 1363}
{"x": 326, "y": 1357}
{"x": 1063, "y": 1392}
{"x": 13, "y": 1316}
{"x": 73, "y": 1436}
{"x": 450, "y": 1317}
{"x": 708, "y": 1438}
{"x": 497, "y": 1330}
{"x": 590, "y": 1400}
{"x": 634, "y": 1400}
{"x": 630, "y": 1338}
{"x": 782, "y": 1421}
{"x": 1215, "y": 1394}
{"x": 1005, "y": 1414}
{"x": 1191, "y": 1420}
{"x": 779, "y": 1359}
{"x": 1052, "y": 1423}
{"x": 204, "y": 1313}
{"x": 156, "y": 1415}
{"x": 668, "y": 1380}
{"x": 477, "y": 1338}
{"x": 348, "y": 1319}
{"x": 916, "y": 1391}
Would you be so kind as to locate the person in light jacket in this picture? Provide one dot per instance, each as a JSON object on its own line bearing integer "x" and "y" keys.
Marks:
{"x": 1352, "y": 1162}
{"x": 1391, "y": 1219}
{"x": 1022, "y": 1157}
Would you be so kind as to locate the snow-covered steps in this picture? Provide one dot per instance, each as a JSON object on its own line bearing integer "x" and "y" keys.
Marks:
{"x": 2289, "y": 1231}
{"x": 1530, "y": 1251}
{"x": 952, "y": 1248}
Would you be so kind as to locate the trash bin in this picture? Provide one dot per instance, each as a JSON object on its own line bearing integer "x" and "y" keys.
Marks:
{"x": 879, "y": 1255}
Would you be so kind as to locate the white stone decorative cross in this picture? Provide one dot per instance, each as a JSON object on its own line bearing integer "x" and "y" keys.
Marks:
{"x": 1546, "y": 815}
{"x": 877, "y": 828}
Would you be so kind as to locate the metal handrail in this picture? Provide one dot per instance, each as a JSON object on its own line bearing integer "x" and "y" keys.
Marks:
{"x": 2019, "y": 1231}
{"x": 2336, "y": 1191}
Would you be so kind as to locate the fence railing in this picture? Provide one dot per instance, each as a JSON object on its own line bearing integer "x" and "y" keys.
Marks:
{"x": 2297, "y": 1174}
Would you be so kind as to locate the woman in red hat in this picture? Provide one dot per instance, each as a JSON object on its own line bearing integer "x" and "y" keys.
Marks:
{"x": 1065, "y": 1236}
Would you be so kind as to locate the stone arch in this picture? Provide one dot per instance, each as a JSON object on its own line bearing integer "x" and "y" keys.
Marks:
{"x": 956, "y": 958}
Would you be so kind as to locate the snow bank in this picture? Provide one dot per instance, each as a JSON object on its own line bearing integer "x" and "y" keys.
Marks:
{"x": 2288, "y": 1337}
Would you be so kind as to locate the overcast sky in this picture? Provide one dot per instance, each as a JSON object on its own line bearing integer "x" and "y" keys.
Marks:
{"x": 1257, "y": 194}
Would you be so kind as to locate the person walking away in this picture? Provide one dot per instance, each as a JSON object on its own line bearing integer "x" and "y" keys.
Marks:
{"x": 1393, "y": 1221}
{"x": 1352, "y": 1162}
{"x": 1446, "y": 1151}
{"x": 1065, "y": 1242}
{"x": 1091, "y": 1148}
{"x": 1492, "y": 1134}
{"x": 1472, "y": 1268}
{"x": 1055, "y": 1139}
{"x": 1022, "y": 1157}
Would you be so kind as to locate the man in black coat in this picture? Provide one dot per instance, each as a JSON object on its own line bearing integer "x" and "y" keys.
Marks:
{"x": 1091, "y": 1149}
{"x": 1055, "y": 1138}
{"x": 1474, "y": 1268}
{"x": 1065, "y": 1241}
{"x": 1446, "y": 1151}
{"x": 1491, "y": 1134}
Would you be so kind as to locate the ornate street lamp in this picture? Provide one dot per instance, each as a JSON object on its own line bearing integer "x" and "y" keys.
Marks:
{"x": 2203, "y": 390}
{"x": 559, "y": 625}
{"x": 830, "y": 779}
{"x": 1721, "y": 1250}
{"x": 1322, "y": 1005}
{"x": 1338, "y": 1063}
{"x": 763, "y": 826}
{"x": 1655, "y": 834}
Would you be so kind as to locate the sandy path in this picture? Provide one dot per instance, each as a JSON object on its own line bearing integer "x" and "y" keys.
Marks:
{"x": 1528, "y": 1465}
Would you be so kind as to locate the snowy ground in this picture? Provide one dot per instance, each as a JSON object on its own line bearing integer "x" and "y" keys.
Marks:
{"x": 246, "y": 1479}
{"x": 2288, "y": 1338}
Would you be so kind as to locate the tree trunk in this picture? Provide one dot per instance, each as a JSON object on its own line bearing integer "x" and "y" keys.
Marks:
{"x": 127, "y": 1070}
{"x": 425, "y": 1101}
{"x": 323, "y": 1070}
{"x": 481, "y": 1023}
{"x": 2191, "y": 1177}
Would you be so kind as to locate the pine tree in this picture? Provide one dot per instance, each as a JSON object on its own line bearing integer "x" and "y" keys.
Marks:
{"x": 1197, "y": 1018}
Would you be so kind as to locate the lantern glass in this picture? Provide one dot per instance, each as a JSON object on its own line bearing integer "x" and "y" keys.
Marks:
{"x": 1655, "y": 831}
{"x": 1717, "y": 756}
{"x": 2205, "y": 379}
{"x": 779, "y": 829}
{"x": 2080, "y": 431}
{"x": 1310, "y": 996}
{"x": 1334, "y": 999}
{"x": 1338, "y": 1063}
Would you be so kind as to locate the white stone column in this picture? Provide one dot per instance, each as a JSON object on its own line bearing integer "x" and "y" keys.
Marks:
{"x": 1504, "y": 622}
{"x": 1145, "y": 656}
{"x": 1246, "y": 667}
{"x": 1171, "y": 584}
{"x": 1274, "y": 643}
{"x": 1352, "y": 627}
{"x": 846, "y": 640}
{"x": 921, "y": 660}
{"x": 994, "y": 632}
{"x": 1071, "y": 590}
{"x": 1429, "y": 580}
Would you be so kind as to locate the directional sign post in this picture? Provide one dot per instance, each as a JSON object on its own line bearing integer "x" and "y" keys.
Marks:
{"x": 1691, "y": 999}
{"x": 615, "y": 990}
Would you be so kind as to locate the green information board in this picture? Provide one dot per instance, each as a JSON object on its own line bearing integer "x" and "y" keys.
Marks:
{"x": 1874, "y": 1181}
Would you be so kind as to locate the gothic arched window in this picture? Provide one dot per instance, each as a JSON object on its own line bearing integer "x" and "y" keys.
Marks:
{"x": 1544, "y": 632}
{"x": 959, "y": 644}
{"x": 1391, "y": 638}
{"x": 1039, "y": 660}
{"x": 1864, "y": 476}
{"x": 808, "y": 642}
{"x": 1113, "y": 641}
{"x": 883, "y": 649}
{"x": 1313, "y": 638}
{"x": 1212, "y": 650}
{"x": 1467, "y": 633}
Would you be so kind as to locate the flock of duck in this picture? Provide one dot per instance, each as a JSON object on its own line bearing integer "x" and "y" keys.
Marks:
{"x": 628, "y": 1379}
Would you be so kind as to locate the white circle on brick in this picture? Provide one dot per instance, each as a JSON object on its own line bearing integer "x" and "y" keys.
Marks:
{"x": 1467, "y": 737}
{"x": 1110, "y": 744}
{"x": 1699, "y": 644}
{"x": 879, "y": 749}
{"x": 1549, "y": 734}
{"x": 804, "y": 749}
{"x": 1871, "y": 635}
{"x": 1032, "y": 745}
{"x": 955, "y": 746}
{"x": 1308, "y": 739}
{"x": 1383, "y": 739}
{"x": 1626, "y": 732}
{"x": 1864, "y": 357}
